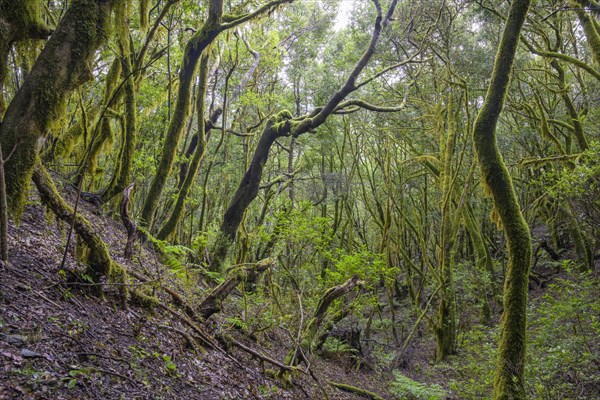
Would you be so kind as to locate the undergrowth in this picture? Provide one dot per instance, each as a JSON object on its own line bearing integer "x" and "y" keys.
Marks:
{"x": 563, "y": 338}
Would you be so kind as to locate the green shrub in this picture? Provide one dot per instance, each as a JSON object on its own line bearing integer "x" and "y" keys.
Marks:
{"x": 406, "y": 389}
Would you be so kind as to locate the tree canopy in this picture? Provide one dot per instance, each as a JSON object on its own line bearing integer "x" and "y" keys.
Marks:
{"x": 415, "y": 170}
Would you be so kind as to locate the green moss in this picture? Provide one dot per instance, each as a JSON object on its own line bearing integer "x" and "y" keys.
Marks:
{"x": 22, "y": 13}
{"x": 589, "y": 28}
{"x": 121, "y": 176}
{"x": 63, "y": 65}
{"x": 144, "y": 300}
{"x": 143, "y": 14}
{"x": 509, "y": 379}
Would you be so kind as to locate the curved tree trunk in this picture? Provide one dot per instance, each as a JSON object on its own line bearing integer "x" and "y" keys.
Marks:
{"x": 283, "y": 125}
{"x": 62, "y": 66}
{"x": 509, "y": 380}
{"x": 213, "y": 26}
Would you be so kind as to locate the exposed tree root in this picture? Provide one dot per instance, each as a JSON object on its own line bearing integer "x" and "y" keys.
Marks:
{"x": 99, "y": 259}
{"x": 356, "y": 390}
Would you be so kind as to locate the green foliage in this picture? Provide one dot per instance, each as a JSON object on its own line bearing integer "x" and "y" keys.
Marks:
{"x": 172, "y": 256}
{"x": 405, "y": 388}
{"x": 336, "y": 346}
{"x": 578, "y": 184}
{"x": 564, "y": 338}
{"x": 369, "y": 266}
{"x": 471, "y": 373}
{"x": 563, "y": 331}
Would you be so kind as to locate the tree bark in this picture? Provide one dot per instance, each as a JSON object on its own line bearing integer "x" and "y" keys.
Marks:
{"x": 65, "y": 63}
{"x": 284, "y": 125}
{"x": 122, "y": 172}
{"x": 19, "y": 20}
{"x": 509, "y": 380}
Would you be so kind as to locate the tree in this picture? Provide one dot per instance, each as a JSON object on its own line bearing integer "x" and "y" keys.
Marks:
{"x": 284, "y": 124}
{"x": 509, "y": 382}
{"x": 63, "y": 65}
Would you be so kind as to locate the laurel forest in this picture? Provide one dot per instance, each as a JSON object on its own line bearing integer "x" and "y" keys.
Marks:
{"x": 385, "y": 199}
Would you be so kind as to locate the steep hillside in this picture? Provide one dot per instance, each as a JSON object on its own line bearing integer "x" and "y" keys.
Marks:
{"x": 62, "y": 340}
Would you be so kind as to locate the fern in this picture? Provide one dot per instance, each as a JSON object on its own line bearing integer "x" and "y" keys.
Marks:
{"x": 405, "y": 388}
{"x": 170, "y": 255}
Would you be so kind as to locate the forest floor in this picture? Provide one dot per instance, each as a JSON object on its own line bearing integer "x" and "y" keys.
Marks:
{"x": 59, "y": 341}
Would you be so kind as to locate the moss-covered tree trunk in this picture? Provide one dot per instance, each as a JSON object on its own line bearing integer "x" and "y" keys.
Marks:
{"x": 247, "y": 190}
{"x": 212, "y": 27}
{"x": 192, "y": 170}
{"x": 121, "y": 176}
{"x": 509, "y": 380}
{"x": 63, "y": 65}
{"x": 573, "y": 114}
{"x": 445, "y": 331}
{"x": 590, "y": 28}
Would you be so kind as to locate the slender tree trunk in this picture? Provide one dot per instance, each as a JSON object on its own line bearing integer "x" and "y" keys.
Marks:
{"x": 171, "y": 224}
{"x": 123, "y": 166}
{"x": 446, "y": 323}
{"x": 509, "y": 380}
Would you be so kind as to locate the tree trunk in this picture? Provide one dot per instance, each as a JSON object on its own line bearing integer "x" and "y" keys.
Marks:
{"x": 509, "y": 380}
{"x": 124, "y": 164}
{"x": 446, "y": 318}
{"x": 192, "y": 170}
{"x": 62, "y": 66}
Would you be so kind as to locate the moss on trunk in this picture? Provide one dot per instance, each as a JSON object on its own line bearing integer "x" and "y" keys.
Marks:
{"x": 171, "y": 224}
{"x": 62, "y": 66}
{"x": 509, "y": 380}
{"x": 120, "y": 178}
{"x": 99, "y": 260}
{"x": 445, "y": 331}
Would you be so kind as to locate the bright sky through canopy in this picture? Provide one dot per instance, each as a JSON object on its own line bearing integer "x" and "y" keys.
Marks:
{"x": 343, "y": 15}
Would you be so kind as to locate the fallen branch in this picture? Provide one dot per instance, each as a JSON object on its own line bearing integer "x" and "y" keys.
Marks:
{"x": 206, "y": 339}
{"x": 260, "y": 356}
{"x": 246, "y": 273}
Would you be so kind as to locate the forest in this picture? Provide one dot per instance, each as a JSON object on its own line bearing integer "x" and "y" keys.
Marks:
{"x": 286, "y": 199}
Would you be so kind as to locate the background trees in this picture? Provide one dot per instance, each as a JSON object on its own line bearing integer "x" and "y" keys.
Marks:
{"x": 257, "y": 130}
